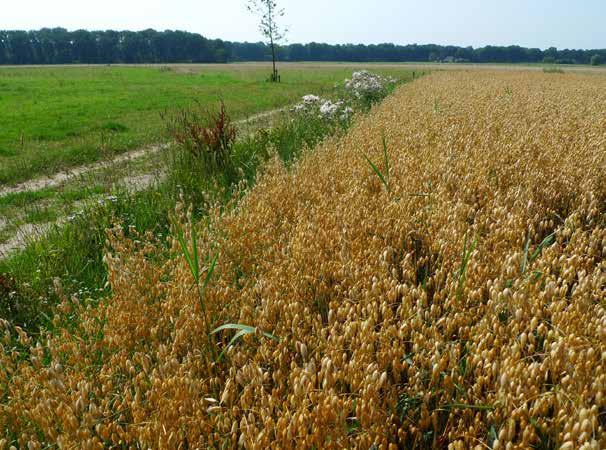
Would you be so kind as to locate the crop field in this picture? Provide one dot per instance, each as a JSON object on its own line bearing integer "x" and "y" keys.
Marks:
{"x": 434, "y": 278}
{"x": 56, "y": 117}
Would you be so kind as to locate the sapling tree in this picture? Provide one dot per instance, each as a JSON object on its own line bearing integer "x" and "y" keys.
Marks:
{"x": 269, "y": 13}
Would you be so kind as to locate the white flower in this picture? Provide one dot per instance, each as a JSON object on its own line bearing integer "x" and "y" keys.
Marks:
{"x": 365, "y": 84}
{"x": 328, "y": 108}
{"x": 310, "y": 98}
{"x": 339, "y": 110}
{"x": 299, "y": 107}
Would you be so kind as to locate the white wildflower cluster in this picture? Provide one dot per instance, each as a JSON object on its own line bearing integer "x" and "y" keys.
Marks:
{"x": 75, "y": 216}
{"x": 308, "y": 103}
{"x": 362, "y": 90}
{"x": 367, "y": 85}
{"x": 323, "y": 108}
{"x": 311, "y": 99}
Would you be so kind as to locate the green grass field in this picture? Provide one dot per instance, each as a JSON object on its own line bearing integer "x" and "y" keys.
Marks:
{"x": 57, "y": 117}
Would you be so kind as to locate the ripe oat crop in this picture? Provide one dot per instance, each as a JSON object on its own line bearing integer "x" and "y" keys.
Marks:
{"x": 460, "y": 305}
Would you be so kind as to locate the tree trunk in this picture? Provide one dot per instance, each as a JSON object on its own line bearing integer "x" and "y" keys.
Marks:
{"x": 273, "y": 57}
{"x": 274, "y": 73}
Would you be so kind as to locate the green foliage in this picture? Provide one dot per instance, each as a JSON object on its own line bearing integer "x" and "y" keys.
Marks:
{"x": 383, "y": 177}
{"x": 208, "y": 137}
{"x": 243, "y": 330}
{"x": 596, "y": 60}
{"x": 193, "y": 262}
{"x": 115, "y": 127}
{"x": 529, "y": 259}
{"x": 41, "y": 214}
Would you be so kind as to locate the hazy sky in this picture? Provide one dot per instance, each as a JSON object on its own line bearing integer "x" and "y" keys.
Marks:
{"x": 530, "y": 23}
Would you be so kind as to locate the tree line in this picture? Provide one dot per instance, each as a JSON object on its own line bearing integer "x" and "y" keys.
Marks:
{"x": 59, "y": 46}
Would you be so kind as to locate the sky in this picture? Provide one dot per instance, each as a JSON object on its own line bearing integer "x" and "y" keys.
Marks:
{"x": 529, "y": 23}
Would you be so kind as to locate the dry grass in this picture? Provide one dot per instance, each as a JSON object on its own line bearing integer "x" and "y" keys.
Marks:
{"x": 435, "y": 314}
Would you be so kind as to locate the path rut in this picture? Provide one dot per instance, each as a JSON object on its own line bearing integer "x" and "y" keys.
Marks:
{"x": 64, "y": 176}
{"x": 28, "y": 232}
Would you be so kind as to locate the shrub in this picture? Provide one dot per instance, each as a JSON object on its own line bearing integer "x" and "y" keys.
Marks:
{"x": 313, "y": 107}
{"x": 367, "y": 88}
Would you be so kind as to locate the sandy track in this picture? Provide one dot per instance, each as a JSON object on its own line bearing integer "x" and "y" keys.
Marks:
{"x": 69, "y": 174}
{"x": 28, "y": 232}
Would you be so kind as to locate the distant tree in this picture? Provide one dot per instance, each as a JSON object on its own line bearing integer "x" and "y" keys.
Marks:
{"x": 298, "y": 52}
{"x": 434, "y": 56}
{"x": 269, "y": 13}
{"x": 84, "y": 46}
{"x": 108, "y": 43}
{"x": 59, "y": 46}
{"x": 596, "y": 60}
{"x": 551, "y": 52}
{"x": 3, "y": 48}
{"x": 62, "y": 40}
{"x": 533, "y": 55}
{"x": 464, "y": 53}
{"x": 20, "y": 47}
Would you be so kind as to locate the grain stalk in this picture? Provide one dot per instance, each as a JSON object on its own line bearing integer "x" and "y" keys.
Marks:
{"x": 465, "y": 258}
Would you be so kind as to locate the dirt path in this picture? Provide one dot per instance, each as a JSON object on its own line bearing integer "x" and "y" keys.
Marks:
{"x": 25, "y": 234}
{"x": 29, "y": 232}
{"x": 69, "y": 174}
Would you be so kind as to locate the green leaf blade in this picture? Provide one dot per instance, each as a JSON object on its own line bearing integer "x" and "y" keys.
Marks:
{"x": 377, "y": 172}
